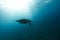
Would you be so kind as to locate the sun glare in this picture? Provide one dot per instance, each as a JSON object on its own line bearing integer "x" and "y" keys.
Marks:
{"x": 22, "y": 5}
{"x": 16, "y": 7}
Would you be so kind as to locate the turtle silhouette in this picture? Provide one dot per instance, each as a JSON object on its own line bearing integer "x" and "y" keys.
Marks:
{"x": 24, "y": 21}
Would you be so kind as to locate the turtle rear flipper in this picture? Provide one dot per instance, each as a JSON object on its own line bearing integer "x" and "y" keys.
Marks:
{"x": 30, "y": 24}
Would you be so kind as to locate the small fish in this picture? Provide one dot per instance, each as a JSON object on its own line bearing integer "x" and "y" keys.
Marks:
{"x": 24, "y": 21}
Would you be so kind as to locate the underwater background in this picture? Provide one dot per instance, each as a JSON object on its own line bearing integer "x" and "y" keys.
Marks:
{"x": 45, "y": 22}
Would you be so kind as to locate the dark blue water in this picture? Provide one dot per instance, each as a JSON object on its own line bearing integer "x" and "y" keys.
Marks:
{"x": 45, "y": 25}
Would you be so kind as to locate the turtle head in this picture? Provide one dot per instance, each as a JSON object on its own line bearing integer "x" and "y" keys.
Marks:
{"x": 17, "y": 20}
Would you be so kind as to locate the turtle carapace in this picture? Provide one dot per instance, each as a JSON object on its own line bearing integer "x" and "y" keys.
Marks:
{"x": 24, "y": 21}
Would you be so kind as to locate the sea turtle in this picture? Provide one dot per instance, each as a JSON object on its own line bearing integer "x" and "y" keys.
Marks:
{"x": 24, "y": 21}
